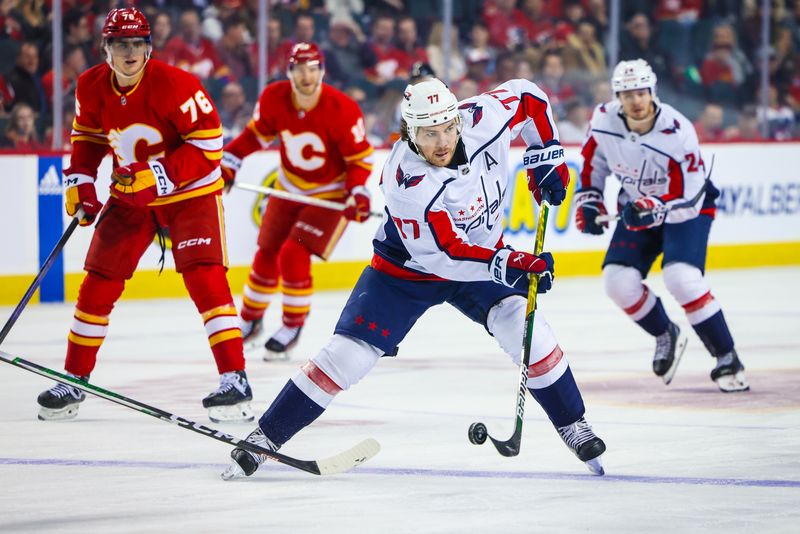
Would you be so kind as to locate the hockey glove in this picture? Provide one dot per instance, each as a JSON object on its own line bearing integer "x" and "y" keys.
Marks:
{"x": 357, "y": 206}
{"x": 588, "y": 205}
{"x": 140, "y": 183}
{"x": 82, "y": 196}
{"x": 644, "y": 213}
{"x": 548, "y": 174}
{"x": 229, "y": 166}
{"x": 513, "y": 268}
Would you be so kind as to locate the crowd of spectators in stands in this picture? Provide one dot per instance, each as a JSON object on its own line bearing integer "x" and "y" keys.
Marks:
{"x": 707, "y": 56}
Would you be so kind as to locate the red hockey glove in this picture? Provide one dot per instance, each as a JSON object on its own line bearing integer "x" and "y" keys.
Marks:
{"x": 82, "y": 196}
{"x": 229, "y": 166}
{"x": 588, "y": 205}
{"x": 357, "y": 206}
{"x": 548, "y": 174}
{"x": 512, "y": 268}
{"x": 140, "y": 183}
{"x": 644, "y": 213}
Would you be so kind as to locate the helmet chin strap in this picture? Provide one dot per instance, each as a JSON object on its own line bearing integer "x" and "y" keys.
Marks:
{"x": 126, "y": 78}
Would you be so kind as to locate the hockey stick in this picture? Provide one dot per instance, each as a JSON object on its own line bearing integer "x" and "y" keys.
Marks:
{"x": 40, "y": 275}
{"x": 342, "y": 462}
{"x": 600, "y": 219}
{"x": 477, "y": 431}
{"x": 294, "y": 197}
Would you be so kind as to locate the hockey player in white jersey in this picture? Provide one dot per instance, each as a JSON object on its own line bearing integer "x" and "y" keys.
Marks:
{"x": 441, "y": 241}
{"x": 667, "y": 206}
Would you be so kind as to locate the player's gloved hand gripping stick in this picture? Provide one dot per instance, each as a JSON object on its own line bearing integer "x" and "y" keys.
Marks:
{"x": 477, "y": 431}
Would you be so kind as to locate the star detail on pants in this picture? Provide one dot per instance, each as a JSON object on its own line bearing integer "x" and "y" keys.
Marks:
{"x": 385, "y": 333}
{"x": 373, "y": 326}
{"x": 359, "y": 319}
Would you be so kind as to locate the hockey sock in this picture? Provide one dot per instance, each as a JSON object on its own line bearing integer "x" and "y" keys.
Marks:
{"x": 655, "y": 322}
{"x": 715, "y": 334}
{"x": 551, "y": 383}
{"x": 261, "y": 286}
{"x": 209, "y": 290}
{"x": 96, "y": 299}
{"x": 295, "y": 264}
{"x": 299, "y": 403}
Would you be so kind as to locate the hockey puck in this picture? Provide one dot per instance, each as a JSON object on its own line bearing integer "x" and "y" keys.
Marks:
{"x": 477, "y": 433}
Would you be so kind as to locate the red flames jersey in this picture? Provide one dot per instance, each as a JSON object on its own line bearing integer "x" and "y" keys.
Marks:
{"x": 324, "y": 151}
{"x": 166, "y": 115}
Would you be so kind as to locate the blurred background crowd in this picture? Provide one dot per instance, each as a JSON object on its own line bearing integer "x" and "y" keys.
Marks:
{"x": 707, "y": 55}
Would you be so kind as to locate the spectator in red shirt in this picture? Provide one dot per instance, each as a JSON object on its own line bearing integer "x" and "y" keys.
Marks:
{"x": 162, "y": 31}
{"x": 21, "y": 130}
{"x": 551, "y": 81}
{"x": 725, "y": 68}
{"x": 6, "y": 97}
{"x": 388, "y": 57}
{"x": 194, "y": 53}
{"x": 233, "y": 49}
{"x": 78, "y": 32}
{"x": 746, "y": 128}
{"x": 478, "y": 70}
{"x": 277, "y": 54}
{"x": 538, "y": 25}
{"x": 408, "y": 43}
{"x": 304, "y": 30}
{"x": 709, "y": 125}
{"x": 505, "y": 23}
{"x": 73, "y": 66}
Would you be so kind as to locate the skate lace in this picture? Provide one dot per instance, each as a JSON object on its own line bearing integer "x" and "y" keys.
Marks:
{"x": 63, "y": 390}
{"x": 576, "y": 434}
{"x": 663, "y": 344}
{"x": 286, "y": 334}
{"x": 229, "y": 381}
{"x": 257, "y": 437}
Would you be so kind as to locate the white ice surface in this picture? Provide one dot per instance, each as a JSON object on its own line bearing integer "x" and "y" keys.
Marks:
{"x": 683, "y": 458}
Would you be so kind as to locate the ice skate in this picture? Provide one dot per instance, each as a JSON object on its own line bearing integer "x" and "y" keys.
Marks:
{"x": 669, "y": 349}
{"x": 61, "y": 401}
{"x": 245, "y": 463}
{"x": 280, "y": 345}
{"x": 231, "y": 401}
{"x": 582, "y": 441}
{"x": 729, "y": 373}
{"x": 251, "y": 332}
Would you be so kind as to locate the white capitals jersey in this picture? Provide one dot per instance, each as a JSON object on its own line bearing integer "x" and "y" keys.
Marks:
{"x": 665, "y": 162}
{"x": 447, "y": 222}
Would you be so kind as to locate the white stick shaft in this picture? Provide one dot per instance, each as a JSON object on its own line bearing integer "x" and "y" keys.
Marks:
{"x": 600, "y": 219}
{"x": 302, "y": 199}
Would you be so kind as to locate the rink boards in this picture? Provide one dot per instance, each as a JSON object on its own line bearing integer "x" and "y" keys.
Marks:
{"x": 758, "y": 222}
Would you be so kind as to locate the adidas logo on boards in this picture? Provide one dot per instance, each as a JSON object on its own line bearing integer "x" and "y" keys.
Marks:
{"x": 50, "y": 183}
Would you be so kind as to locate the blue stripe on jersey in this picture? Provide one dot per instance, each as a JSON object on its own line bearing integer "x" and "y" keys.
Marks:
{"x": 654, "y": 149}
{"x": 492, "y": 140}
{"x": 608, "y": 133}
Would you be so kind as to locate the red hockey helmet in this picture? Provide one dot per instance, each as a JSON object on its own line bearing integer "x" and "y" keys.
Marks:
{"x": 307, "y": 53}
{"x": 126, "y": 22}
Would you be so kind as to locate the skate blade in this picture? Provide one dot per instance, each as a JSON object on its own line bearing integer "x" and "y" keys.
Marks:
{"x": 272, "y": 356}
{"x": 680, "y": 347}
{"x": 233, "y": 471}
{"x": 595, "y": 466}
{"x": 236, "y": 413}
{"x": 49, "y": 414}
{"x": 733, "y": 383}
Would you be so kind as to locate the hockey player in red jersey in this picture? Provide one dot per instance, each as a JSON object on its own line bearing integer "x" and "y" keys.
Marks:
{"x": 166, "y": 140}
{"x": 324, "y": 154}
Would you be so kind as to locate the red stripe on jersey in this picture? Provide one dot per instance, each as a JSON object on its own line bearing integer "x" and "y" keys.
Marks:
{"x": 320, "y": 379}
{"x": 588, "y": 154}
{"x": 387, "y": 267}
{"x": 711, "y": 212}
{"x": 639, "y": 303}
{"x": 546, "y": 365}
{"x": 451, "y": 244}
{"x": 697, "y": 304}
{"x": 675, "y": 181}
{"x": 536, "y": 109}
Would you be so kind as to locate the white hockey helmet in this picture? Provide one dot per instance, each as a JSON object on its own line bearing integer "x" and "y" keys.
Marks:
{"x": 428, "y": 103}
{"x": 634, "y": 74}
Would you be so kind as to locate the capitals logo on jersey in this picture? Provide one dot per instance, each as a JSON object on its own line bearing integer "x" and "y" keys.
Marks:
{"x": 475, "y": 110}
{"x": 674, "y": 128}
{"x": 407, "y": 180}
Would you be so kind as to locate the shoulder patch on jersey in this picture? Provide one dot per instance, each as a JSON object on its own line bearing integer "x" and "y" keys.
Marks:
{"x": 674, "y": 128}
{"x": 475, "y": 110}
{"x": 407, "y": 180}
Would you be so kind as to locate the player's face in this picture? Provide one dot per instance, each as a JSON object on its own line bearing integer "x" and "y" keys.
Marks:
{"x": 438, "y": 143}
{"x": 636, "y": 103}
{"x": 306, "y": 78}
{"x": 128, "y": 54}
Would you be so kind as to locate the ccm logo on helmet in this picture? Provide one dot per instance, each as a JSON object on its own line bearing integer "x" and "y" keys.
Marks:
{"x": 194, "y": 242}
{"x": 533, "y": 159}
